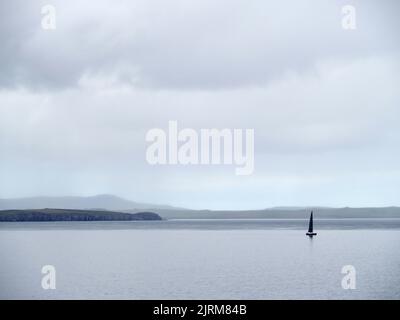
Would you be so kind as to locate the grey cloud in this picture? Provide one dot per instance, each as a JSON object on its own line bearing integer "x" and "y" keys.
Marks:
{"x": 201, "y": 45}
{"x": 76, "y": 103}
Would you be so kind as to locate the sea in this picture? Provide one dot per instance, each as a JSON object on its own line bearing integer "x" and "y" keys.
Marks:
{"x": 201, "y": 259}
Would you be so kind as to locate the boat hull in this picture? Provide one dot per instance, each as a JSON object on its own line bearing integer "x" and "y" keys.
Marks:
{"x": 311, "y": 234}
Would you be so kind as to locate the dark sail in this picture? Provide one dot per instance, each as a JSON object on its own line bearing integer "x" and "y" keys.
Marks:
{"x": 310, "y": 226}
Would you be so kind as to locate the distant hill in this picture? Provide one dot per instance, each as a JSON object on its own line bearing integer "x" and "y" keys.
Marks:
{"x": 100, "y": 202}
{"x": 114, "y": 203}
{"x": 72, "y": 215}
{"x": 298, "y": 208}
{"x": 281, "y": 213}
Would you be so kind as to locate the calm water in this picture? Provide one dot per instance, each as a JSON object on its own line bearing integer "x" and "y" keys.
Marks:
{"x": 201, "y": 259}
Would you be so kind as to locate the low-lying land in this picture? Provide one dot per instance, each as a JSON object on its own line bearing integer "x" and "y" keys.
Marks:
{"x": 283, "y": 213}
{"x": 73, "y": 215}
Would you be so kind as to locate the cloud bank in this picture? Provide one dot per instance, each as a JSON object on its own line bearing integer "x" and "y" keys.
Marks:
{"x": 76, "y": 102}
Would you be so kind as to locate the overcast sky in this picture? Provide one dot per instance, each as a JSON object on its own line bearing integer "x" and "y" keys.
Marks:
{"x": 76, "y": 102}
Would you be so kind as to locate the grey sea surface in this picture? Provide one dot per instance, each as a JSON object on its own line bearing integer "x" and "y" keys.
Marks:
{"x": 201, "y": 259}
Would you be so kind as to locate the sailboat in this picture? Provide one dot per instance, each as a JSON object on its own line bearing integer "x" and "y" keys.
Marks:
{"x": 311, "y": 232}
